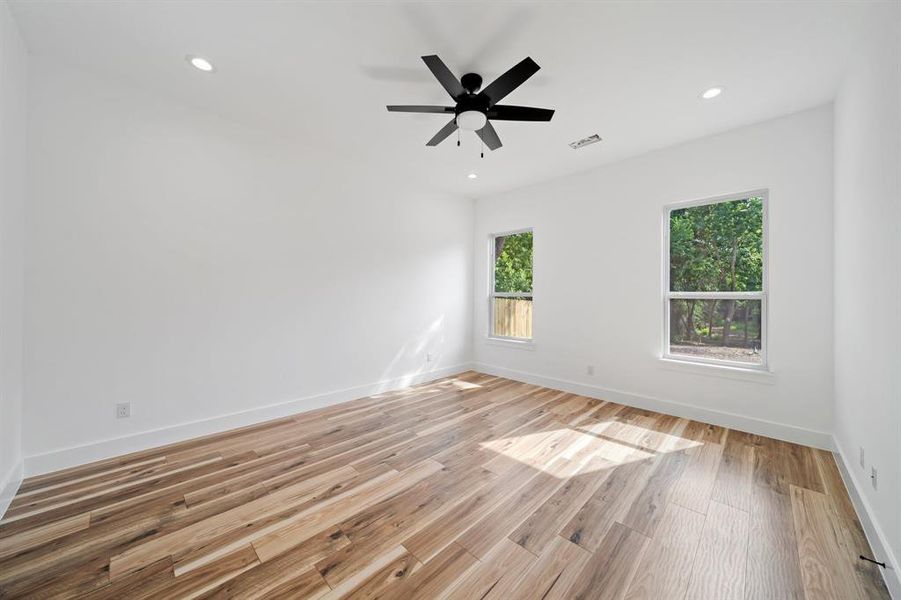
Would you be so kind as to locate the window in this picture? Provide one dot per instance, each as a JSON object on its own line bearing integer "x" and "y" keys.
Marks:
{"x": 511, "y": 285}
{"x": 715, "y": 273}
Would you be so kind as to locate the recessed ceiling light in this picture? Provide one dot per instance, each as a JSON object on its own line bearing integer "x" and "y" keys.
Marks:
{"x": 472, "y": 176}
{"x": 712, "y": 93}
{"x": 200, "y": 63}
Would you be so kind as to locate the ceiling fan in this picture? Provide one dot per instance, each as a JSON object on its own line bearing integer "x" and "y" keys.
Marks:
{"x": 474, "y": 110}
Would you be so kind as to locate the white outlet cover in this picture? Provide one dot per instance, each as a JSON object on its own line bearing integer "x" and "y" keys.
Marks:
{"x": 123, "y": 410}
{"x": 862, "y": 462}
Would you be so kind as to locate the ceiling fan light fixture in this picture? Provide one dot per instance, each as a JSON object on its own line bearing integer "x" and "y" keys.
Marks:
{"x": 471, "y": 120}
{"x": 474, "y": 110}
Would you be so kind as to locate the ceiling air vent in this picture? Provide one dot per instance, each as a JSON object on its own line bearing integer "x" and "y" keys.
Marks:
{"x": 585, "y": 141}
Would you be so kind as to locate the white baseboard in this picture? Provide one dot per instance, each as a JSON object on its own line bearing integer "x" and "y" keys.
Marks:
{"x": 69, "y": 457}
{"x": 875, "y": 536}
{"x": 9, "y": 485}
{"x": 788, "y": 433}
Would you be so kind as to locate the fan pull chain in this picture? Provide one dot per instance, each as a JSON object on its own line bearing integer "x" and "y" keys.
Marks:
{"x": 458, "y": 138}
{"x": 483, "y": 149}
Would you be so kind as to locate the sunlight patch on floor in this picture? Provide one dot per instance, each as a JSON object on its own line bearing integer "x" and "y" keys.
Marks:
{"x": 638, "y": 436}
{"x": 605, "y": 445}
{"x": 465, "y": 385}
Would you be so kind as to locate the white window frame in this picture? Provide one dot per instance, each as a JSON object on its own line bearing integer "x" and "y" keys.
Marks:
{"x": 762, "y": 295}
{"x": 492, "y": 294}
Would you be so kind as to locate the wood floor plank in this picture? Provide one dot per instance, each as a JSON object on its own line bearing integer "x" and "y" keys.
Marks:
{"x": 608, "y": 573}
{"x": 380, "y": 581}
{"x": 826, "y": 560}
{"x": 695, "y": 486}
{"x": 871, "y": 581}
{"x": 734, "y": 476}
{"x": 802, "y": 467}
{"x": 486, "y": 532}
{"x": 665, "y": 569}
{"x": 510, "y": 451}
{"x": 208, "y": 544}
{"x": 373, "y": 574}
{"x": 82, "y": 486}
{"x": 271, "y": 542}
{"x": 290, "y": 571}
{"x": 554, "y": 573}
{"x": 446, "y": 529}
{"x": 773, "y": 567}
{"x": 76, "y": 503}
{"x": 436, "y": 576}
{"x": 386, "y": 524}
{"x": 283, "y": 474}
{"x": 38, "y": 536}
{"x": 471, "y": 486}
{"x": 210, "y": 576}
{"x": 646, "y": 509}
{"x": 605, "y": 412}
{"x": 495, "y": 576}
{"x": 611, "y": 501}
{"x": 705, "y": 433}
{"x": 308, "y": 585}
{"x": 543, "y": 525}
{"x": 237, "y": 518}
{"x": 66, "y": 478}
{"x": 148, "y": 580}
{"x": 719, "y": 566}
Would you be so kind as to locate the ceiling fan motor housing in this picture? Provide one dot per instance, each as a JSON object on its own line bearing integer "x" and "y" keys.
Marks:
{"x": 471, "y": 111}
{"x": 466, "y": 102}
{"x": 471, "y": 82}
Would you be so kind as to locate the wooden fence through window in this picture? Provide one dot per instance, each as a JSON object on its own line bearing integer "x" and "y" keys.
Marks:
{"x": 513, "y": 317}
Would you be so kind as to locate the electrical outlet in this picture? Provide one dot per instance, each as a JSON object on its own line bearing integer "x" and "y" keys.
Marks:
{"x": 874, "y": 478}
{"x": 123, "y": 410}
{"x": 428, "y": 357}
{"x": 589, "y": 370}
{"x": 863, "y": 463}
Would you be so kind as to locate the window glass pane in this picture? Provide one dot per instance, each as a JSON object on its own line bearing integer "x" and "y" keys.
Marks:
{"x": 513, "y": 262}
{"x": 512, "y": 317}
{"x": 716, "y": 329}
{"x": 717, "y": 247}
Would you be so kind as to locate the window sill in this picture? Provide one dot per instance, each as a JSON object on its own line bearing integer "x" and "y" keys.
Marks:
{"x": 763, "y": 375}
{"x": 510, "y": 343}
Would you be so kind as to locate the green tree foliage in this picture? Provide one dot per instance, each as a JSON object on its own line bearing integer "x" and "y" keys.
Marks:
{"x": 717, "y": 247}
{"x": 513, "y": 263}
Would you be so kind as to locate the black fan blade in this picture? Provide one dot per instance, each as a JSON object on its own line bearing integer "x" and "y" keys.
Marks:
{"x": 510, "y": 80}
{"x": 445, "y": 131}
{"x": 420, "y": 109}
{"x": 444, "y": 75}
{"x": 507, "y": 112}
{"x": 489, "y": 136}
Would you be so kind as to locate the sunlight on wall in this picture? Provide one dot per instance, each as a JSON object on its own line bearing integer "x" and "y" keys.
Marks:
{"x": 410, "y": 351}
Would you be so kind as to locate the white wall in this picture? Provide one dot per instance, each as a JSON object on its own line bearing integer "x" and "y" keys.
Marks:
{"x": 13, "y": 118}
{"x": 197, "y": 269}
{"x": 598, "y": 277}
{"x": 868, "y": 276}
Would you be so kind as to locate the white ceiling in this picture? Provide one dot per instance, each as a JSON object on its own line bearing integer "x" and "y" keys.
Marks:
{"x": 631, "y": 72}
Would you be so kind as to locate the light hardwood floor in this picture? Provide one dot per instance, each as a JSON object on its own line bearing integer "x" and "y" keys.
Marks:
{"x": 470, "y": 487}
